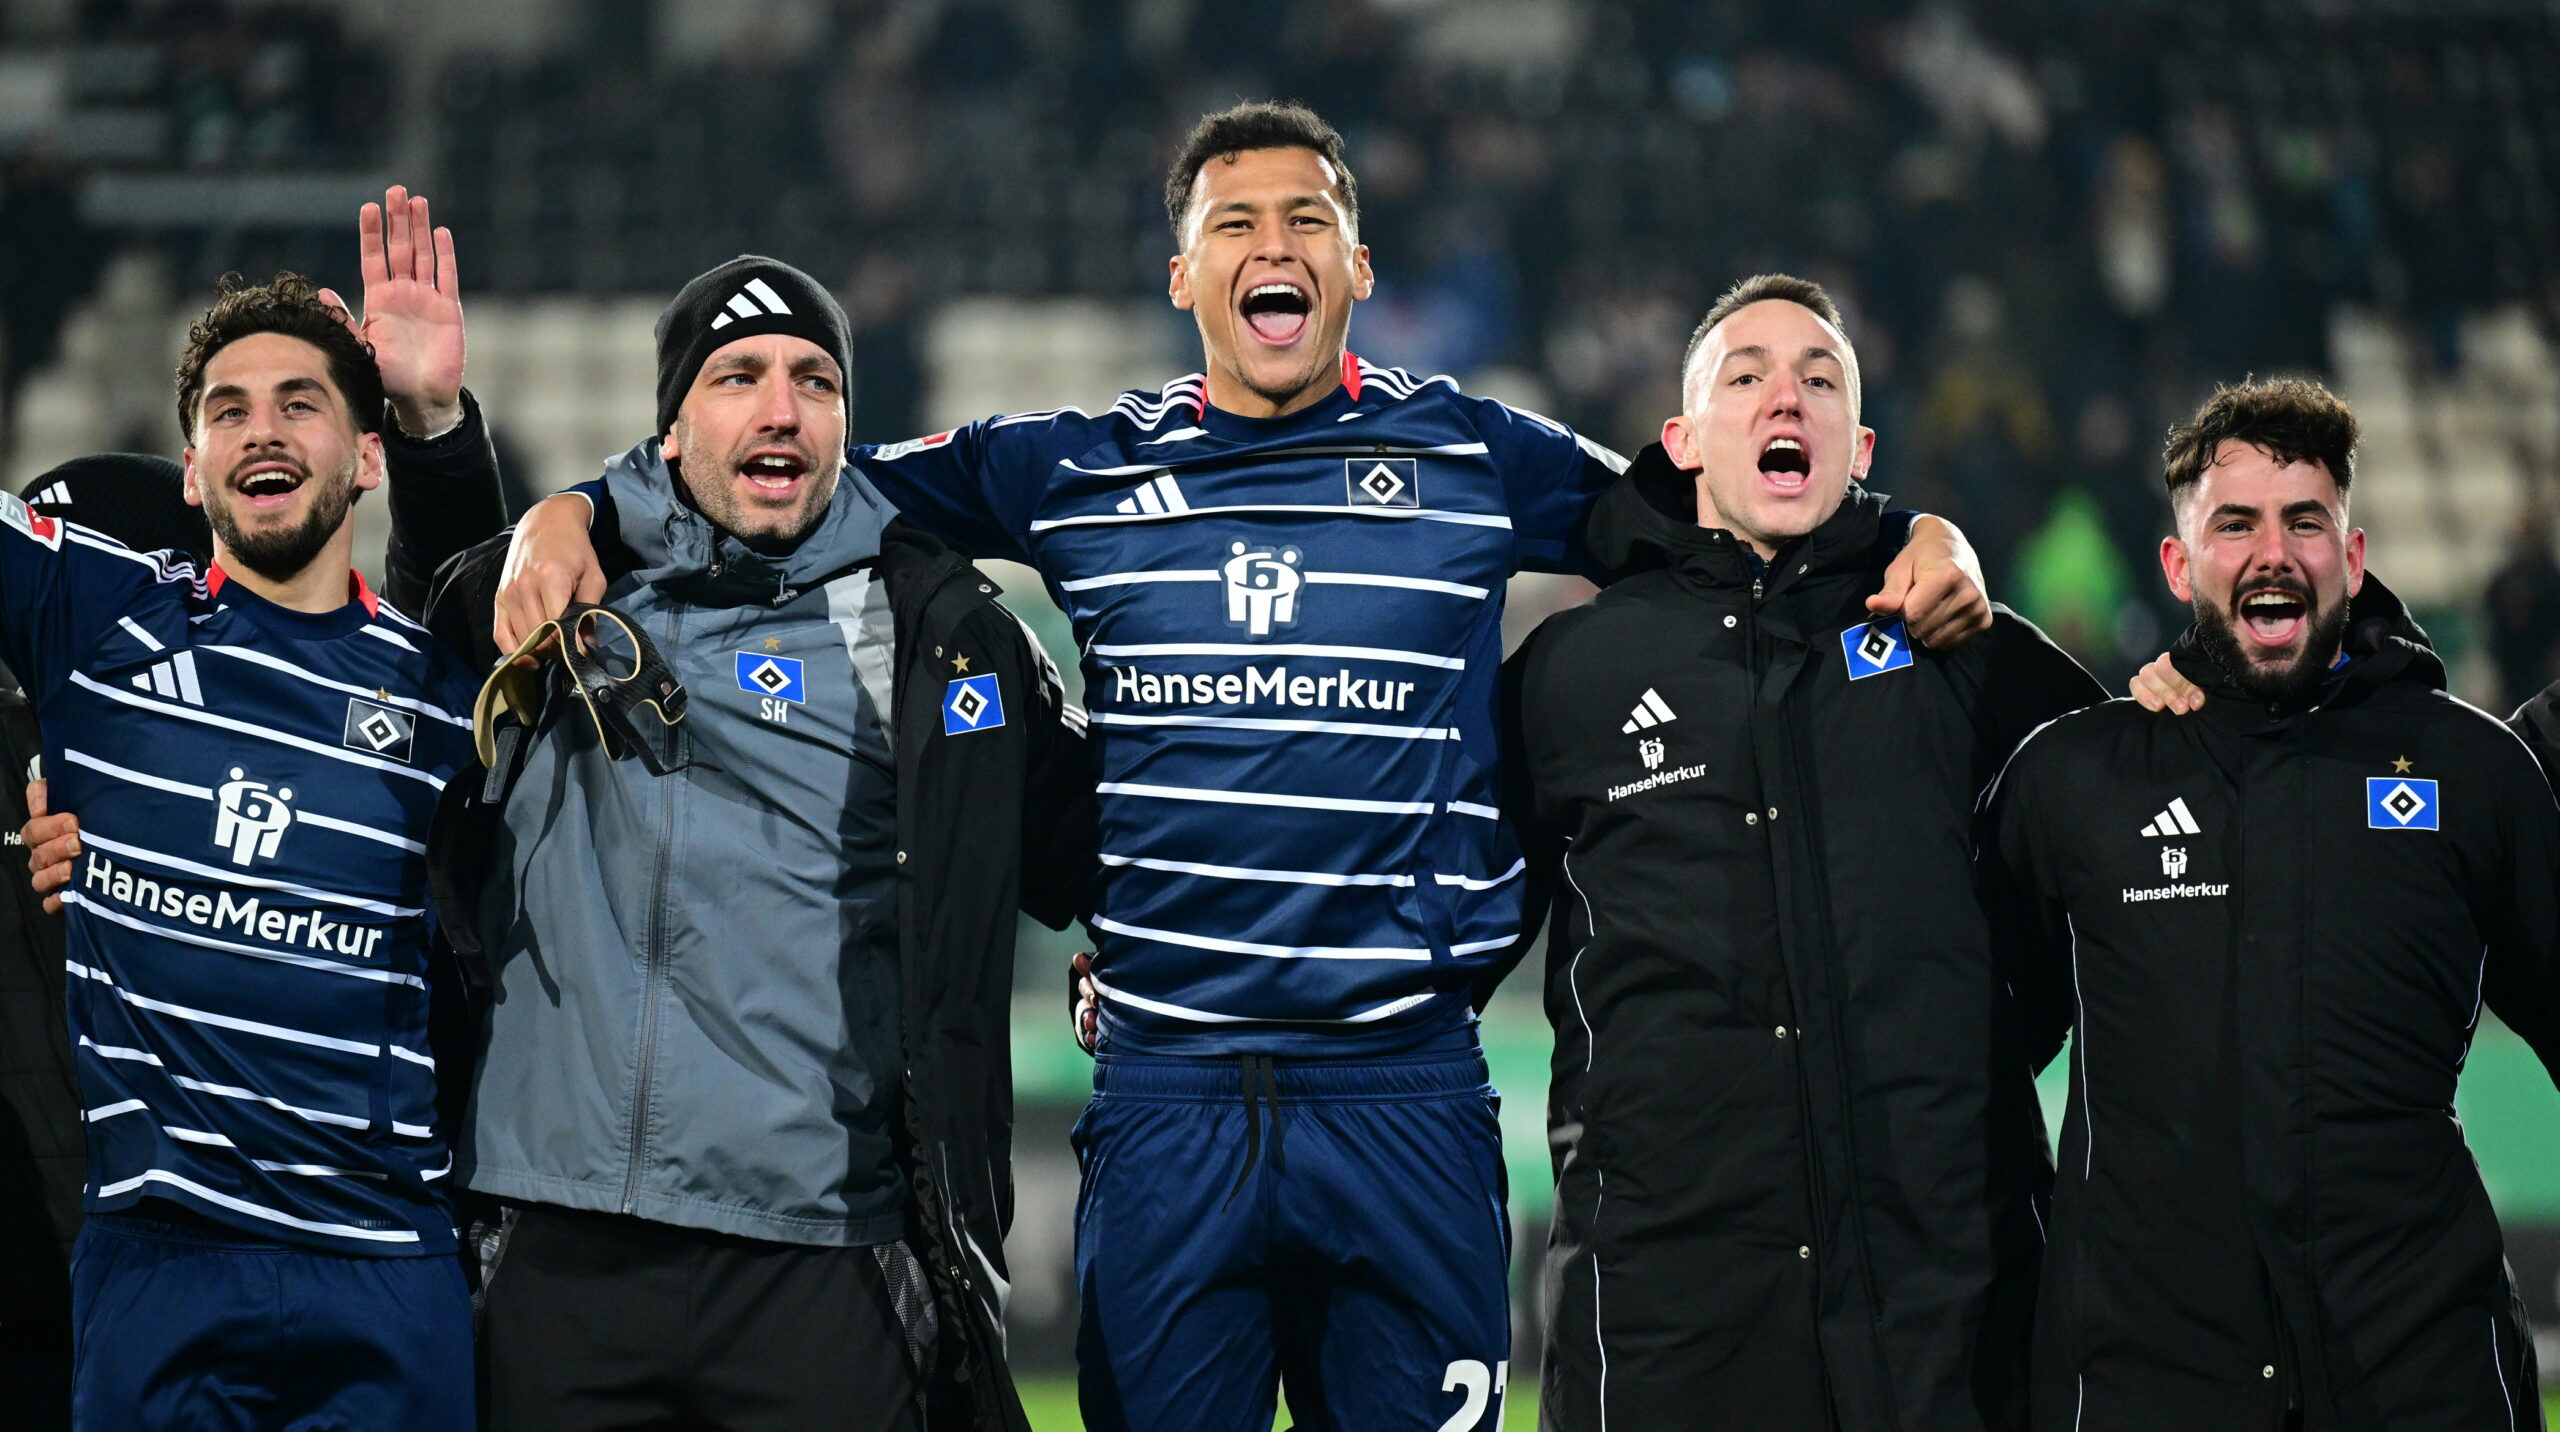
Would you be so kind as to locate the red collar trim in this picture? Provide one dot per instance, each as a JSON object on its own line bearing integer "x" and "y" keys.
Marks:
{"x": 1351, "y": 373}
{"x": 215, "y": 578}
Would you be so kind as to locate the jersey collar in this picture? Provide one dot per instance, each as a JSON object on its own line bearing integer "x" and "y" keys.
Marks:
{"x": 215, "y": 579}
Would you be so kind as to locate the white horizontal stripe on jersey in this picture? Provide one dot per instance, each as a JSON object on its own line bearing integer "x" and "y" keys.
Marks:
{"x": 433, "y": 1174}
{"x": 1277, "y": 723}
{"x": 134, "y": 629}
{"x": 1243, "y": 872}
{"x": 1124, "y": 579}
{"x": 197, "y": 1136}
{"x": 234, "y": 877}
{"x": 1202, "y": 1016}
{"x": 224, "y": 1021}
{"x": 183, "y": 571}
{"x": 263, "y": 733}
{"x": 256, "y": 1210}
{"x": 1478, "y": 947}
{"x": 1274, "y": 454}
{"x": 1176, "y": 436}
{"x": 1467, "y": 882}
{"x": 1471, "y": 808}
{"x": 411, "y": 1055}
{"x": 1258, "y": 798}
{"x": 1414, "y": 514}
{"x": 226, "y": 1091}
{"x": 412, "y": 1131}
{"x": 1041, "y": 417}
{"x": 282, "y": 957}
{"x": 1278, "y": 648}
{"x": 1380, "y": 579}
{"x": 386, "y": 634}
{"x": 369, "y": 693}
{"x": 383, "y": 609}
{"x": 1250, "y": 947}
{"x": 205, "y": 793}
{"x": 109, "y": 1111}
{"x": 313, "y": 1170}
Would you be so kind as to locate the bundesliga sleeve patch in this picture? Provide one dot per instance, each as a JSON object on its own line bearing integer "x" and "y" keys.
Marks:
{"x": 17, "y": 514}
{"x": 1875, "y": 649}
{"x": 2400, "y": 803}
{"x": 972, "y": 703}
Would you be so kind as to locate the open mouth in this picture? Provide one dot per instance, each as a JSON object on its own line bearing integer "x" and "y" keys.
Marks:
{"x": 773, "y": 472}
{"x": 1277, "y": 312}
{"x": 269, "y": 484}
{"x": 2274, "y": 616}
{"x": 1785, "y": 464}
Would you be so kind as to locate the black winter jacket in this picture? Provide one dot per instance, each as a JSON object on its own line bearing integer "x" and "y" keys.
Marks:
{"x": 999, "y": 821}
{"x": 1795, "y": 1136}
{"x": 2271, "y": 932}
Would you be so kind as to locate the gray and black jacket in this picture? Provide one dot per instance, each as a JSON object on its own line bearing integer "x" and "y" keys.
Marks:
{"x": 678, "y": 1031}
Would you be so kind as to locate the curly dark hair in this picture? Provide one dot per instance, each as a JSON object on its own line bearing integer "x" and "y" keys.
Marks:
{"x": 1260, "y": 124}
{"x": 292, "y": 306}
{"x": 2293, "y": 419}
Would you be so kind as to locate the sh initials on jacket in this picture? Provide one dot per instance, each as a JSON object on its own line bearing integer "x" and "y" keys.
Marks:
{"x": 775, "y": 681}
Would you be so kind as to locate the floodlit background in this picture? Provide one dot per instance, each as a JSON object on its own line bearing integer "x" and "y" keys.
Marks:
{"x": 2055, "y": 224}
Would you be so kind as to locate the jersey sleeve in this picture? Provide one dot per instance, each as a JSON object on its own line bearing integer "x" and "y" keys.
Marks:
{"x": 1550, "y": 477}
{"x": 2030, "y": 929}
{"x": 62, "y": 587}
{"x": 978, "y": 486}
{"x": 2520, "y": 964}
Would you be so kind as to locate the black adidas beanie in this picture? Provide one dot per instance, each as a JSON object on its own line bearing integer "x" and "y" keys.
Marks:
{"x": 136, "y": 498}
{"x": 747, "y": 296}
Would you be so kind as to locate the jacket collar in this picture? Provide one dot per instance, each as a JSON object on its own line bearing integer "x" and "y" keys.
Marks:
{"x": 1648, "y": 518}
{"x": 2383, "y": 644}
{"x": 674, "y": 546}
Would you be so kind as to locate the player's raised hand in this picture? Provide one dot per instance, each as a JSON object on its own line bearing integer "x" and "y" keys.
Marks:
{"x": 412, "y": 310}
{"x": 1935, "y": 585}
{"x": 551, "y": 562}
{"x": 2158, "y": 686}
{"x": 53, "y": 843}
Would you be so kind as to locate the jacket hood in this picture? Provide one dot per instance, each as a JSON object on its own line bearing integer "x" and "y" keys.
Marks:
{"x": 678, "y": 548}
{"x": 1648, "y": 518}
{"x": 2383, "y": 644}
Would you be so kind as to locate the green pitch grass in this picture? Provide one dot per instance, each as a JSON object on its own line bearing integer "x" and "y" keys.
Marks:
{"x": 1051, "y": 1401}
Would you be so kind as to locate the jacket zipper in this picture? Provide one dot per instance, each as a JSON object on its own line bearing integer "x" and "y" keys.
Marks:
{"x": 652, "y": 977}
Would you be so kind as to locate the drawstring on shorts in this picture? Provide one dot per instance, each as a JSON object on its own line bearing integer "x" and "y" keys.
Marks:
{"x": 1268, "y": 1088}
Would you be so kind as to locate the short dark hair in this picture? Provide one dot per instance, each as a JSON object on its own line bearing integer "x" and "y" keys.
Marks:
{"x": 1258, "y": 124}
{"x": 1802, "y": 292}
{"x": 293, "y": 307}
{"x": 2293, "y": 419}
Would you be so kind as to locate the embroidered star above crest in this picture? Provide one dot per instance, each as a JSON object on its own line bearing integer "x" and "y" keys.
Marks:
{"x": 773, "y": 643}
{"x": 382, "y": 693}
{"x": 959, "y": 662}
{"x": 2400, "y": 766}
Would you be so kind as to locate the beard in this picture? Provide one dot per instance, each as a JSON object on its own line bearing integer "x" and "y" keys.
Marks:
{"x": 2287, "y": 683}
{"x": 280, "y": 554}
{"x": 772, "y": 531}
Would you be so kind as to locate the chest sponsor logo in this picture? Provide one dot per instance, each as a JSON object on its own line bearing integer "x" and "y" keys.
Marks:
{"x": 2400, "y": 803}
{"x": 972, "y": 703}
{"x": 2174, "y": 821}
{"x": 1383, "y": 481}
{"x": 249, "y": 917}
{"x": 1875, "y": 648}
{"x": 250, "y": 817}
{"x": 379, "y": 730}
{"x": 1262, "y": 587}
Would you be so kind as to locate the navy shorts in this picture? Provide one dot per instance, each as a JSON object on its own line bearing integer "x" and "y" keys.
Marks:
{"x": 179, "y": 1322}
{"x": 1334, "y": 1226}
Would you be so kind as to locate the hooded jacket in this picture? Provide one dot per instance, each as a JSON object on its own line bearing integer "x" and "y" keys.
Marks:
{"x": 1795, "y": 1138}
{"x": 2271, "y": 930}
{"x": 724, "y": 998}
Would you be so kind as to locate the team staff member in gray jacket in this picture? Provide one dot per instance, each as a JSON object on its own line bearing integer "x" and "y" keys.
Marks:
{"x": 748, "y": 1043}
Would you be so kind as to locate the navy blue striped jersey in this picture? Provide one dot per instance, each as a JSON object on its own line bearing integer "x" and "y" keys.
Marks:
{"x": 246, "y": 930}
{"x": 1292, "y": 636}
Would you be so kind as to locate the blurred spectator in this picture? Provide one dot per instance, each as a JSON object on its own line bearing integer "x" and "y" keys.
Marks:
{"x": 2523, "y": 603}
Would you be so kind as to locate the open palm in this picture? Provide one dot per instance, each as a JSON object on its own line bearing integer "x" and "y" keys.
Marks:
{"x": 412, "y": 310}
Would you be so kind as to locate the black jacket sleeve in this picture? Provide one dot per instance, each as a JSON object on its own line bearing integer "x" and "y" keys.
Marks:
{"x": 2025, "y": 681}
{"x": 2520, "y": 969}
{"x": 2030, "y": 932}
{"x": 462, "y": 604}
{"x": 1061, "y": 832}
{"x": 1541, "y": 852}
{"x": 2537, "y": 723}
{"x": 444, "y": 497}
